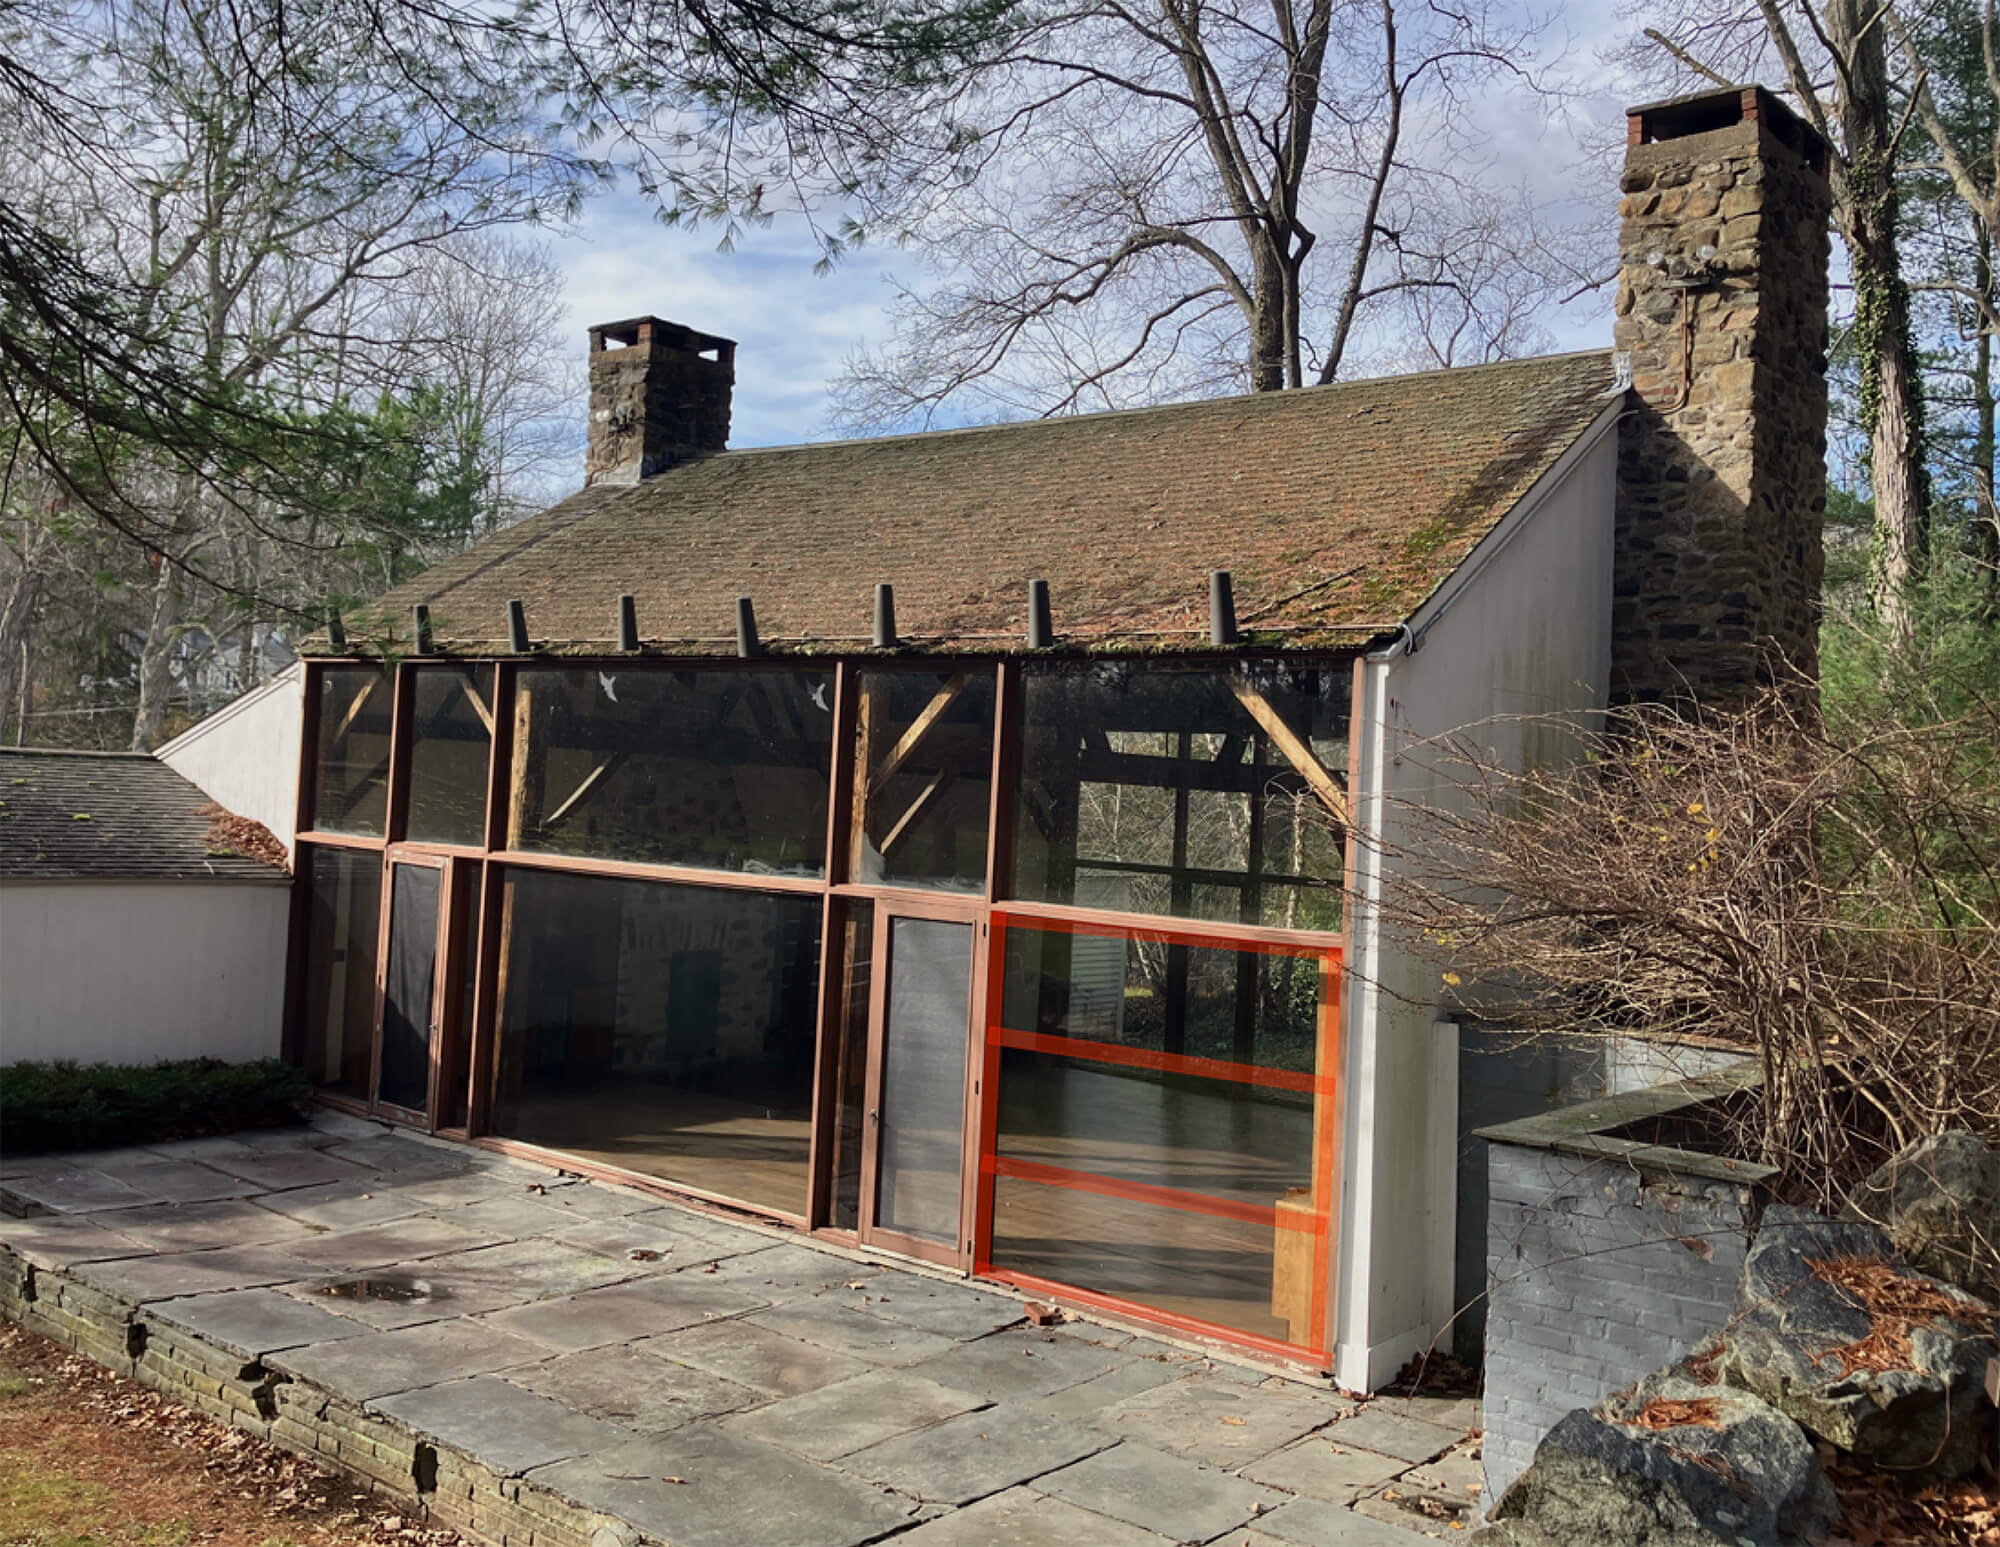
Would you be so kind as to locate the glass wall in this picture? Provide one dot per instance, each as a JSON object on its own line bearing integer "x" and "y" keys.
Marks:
{"x": 923, "y": 779}
{"x": 1163, "y": 1123}
{"x": 723, "y": 769}
{"x": 451, "y": 737}
{"x": 1195, "y": 794}
{"x": 351, "y": 778}
{"x": 336, "y": 998}
{"x": 667, "y": 1029}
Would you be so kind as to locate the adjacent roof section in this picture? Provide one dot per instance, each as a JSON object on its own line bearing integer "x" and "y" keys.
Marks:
{"x": 116, "y": 816}
{"x": 1337, "y": 510}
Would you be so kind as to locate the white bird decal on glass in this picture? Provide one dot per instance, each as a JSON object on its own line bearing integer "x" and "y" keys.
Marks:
{"x": 817, "y": 693}
{"x": 608, "y": 682}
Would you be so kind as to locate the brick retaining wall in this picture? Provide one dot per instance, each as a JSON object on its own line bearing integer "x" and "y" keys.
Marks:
{"x": 1606, "y": 1259}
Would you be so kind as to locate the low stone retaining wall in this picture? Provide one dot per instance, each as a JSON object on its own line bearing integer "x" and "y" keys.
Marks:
{"x": 429, "y": 1480}
{"x": 1607, "y": 1258}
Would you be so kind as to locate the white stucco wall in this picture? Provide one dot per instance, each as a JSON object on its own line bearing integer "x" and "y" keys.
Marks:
{"x": 1523, "y": 628}
{"x": 135, "y": 971}
{"x": 245, "y": 756}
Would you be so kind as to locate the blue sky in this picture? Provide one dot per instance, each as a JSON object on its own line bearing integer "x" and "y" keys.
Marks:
{"x": 795, "y": 329}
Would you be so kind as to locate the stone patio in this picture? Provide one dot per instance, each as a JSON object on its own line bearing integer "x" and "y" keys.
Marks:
{"x": 552, "y": 1362}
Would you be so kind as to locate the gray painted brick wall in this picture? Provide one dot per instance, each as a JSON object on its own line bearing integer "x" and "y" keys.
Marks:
{"x": 1598, "y": 1273}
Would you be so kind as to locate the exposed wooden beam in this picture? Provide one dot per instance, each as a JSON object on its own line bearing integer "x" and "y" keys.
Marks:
{"x": 920, "y": 727}
{"x": 1297, "y": 750}
{"x": 591, "y": 780}
{"x": 354, "y": 709}
{"x": 478, "y": 704}
{"x": 926, "y": 797}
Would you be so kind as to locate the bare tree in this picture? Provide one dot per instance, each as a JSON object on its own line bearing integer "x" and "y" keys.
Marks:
{"x": 1135, "y": 200}
{"x": 1823, "y": 895}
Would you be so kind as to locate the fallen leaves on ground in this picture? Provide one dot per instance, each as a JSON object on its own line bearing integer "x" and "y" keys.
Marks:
{"x": 1897, "y": 1301}
{"x": 92, "y": 1459}
{"x": 1881, "y": 1509}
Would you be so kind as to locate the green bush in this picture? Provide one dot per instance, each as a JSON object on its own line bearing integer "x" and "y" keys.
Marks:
{"x": 65, "y": 1106}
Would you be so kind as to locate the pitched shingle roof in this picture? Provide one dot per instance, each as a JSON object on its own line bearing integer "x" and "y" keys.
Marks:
{"x": 1337, "y": 509}
{"x": 68, "y": 816}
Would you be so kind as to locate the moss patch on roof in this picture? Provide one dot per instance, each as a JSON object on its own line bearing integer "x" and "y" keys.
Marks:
{"x": 1337, "y": 510}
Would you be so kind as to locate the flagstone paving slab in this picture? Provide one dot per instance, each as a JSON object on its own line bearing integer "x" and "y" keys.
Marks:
{"x": 171, "y": 1275}
{"x": 510, "y": 1218}
{"x": 74, "y": 1190}
{"x": 837, "y": 1420}
{"x": 478, "y": 1185}
{"x": 1021, "y": 1517}
{"x": 256, "y": 1322}
{"x": 849, "y": 1332}
{"x": 950, "y": 1310}
{"x": 197, "y": 1149}
{"x": 968, "y": 1457}
{"x": 507, "y": 1428}
{"x": 408, "y": 1240}
{"x": 285, "y": 1168}
{"x": 1160, "y": 1492}
{"x": 634, "y": 1390}
{"x": 1213, "y": 1420}
{"x": 63, "y": 1240}
{"x": 381, "y": 1364}
{"x": 1315, "y": 1523}
{"x": 516, "y": 1272}
{"x": 401, "y": 1157}
{"x": 781, "y": 1271}
{"x": 353, "y": 1204}
{"x": 178, "y": 1181}
{"x": 1019, "y": 1363}
{"x": 754, "y": 1356}
{"x": 619, "y": 1313}
{"x": 1317, "y": 1467}
{"x": 701, "y": 1487}
{"x": 183, "y": 1227}
{"x": 600, "y": 1200}
{"x": 1380, "y": 1428}
{"x": 1091, "y": 1396}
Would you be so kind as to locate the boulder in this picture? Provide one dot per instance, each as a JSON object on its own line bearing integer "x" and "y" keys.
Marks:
{"x": 1940, "y": 1202}
{"x": 1672, "y": 1464}
{"x": 1859, "y": 1348}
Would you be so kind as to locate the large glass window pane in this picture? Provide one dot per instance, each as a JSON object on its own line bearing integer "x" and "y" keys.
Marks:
{"x": 1196, "y": 794}
{"x": 409, "y": 986}
{"x": 857, "y": 942}
{"x": 451, "y": 734}
{"x": 923, "y": 774}
{"x": 351, "y": 780}
{"x": 1163, "y": 1130}
{"x": 337, "y": 1000}
{"x": 725, "y": 769}
{"x": 667, "y": 1029}
{"x": 918, "y": 1169}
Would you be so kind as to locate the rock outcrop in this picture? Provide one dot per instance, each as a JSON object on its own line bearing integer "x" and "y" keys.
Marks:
{"x": 1940, "y": 1202}
{"x": 1861, "y": 1350}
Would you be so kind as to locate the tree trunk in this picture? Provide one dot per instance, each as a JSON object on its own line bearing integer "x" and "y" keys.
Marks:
{"x": 1985, "y": 540}
{"x": 18, "y": 609}
{"x": 1891, "y": 401}
{"x": 1268, "y": 340}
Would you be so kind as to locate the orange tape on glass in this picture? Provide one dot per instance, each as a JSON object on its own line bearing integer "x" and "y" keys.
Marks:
{"x": 1161, "y": 1197}
{"x": 1175, "y": 1063}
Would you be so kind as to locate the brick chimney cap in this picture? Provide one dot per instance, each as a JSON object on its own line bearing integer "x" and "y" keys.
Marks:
{"x": 675, "y": 335}
{"x": 1720, "y": 108}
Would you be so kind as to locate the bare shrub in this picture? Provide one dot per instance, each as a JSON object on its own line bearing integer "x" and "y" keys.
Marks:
{"x": 1826, "y": 899}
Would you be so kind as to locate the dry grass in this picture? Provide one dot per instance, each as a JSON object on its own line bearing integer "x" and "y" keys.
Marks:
{"x": 91, "y": 1459}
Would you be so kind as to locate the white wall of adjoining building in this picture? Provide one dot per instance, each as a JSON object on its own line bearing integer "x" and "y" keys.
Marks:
{"x": 1523, "y": 628}
{"x": 245, "y": 756}
{"x": 131, "y": 972}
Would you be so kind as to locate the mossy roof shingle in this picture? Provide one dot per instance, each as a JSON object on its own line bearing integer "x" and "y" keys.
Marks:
{"x": 1337, "y": 509}
{"x": 109, "y": 816}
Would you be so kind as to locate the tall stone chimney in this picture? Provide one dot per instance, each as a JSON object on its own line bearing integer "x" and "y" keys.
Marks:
{"x": 1722, "y": 295}
{"x": 659, "y": 394}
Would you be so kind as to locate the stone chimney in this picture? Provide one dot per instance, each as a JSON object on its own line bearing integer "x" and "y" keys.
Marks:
{"x": 1722, "y": 296}
{"x": 659, "y": 394}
